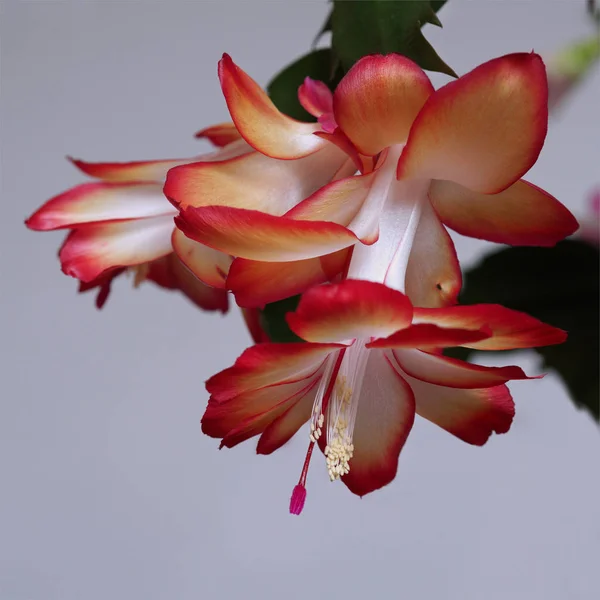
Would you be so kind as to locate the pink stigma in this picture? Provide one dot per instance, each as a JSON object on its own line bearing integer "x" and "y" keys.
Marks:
{"x": 297, "y": 500}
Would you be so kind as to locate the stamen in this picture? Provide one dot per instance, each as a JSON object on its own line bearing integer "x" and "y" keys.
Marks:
{"x": 340, "y": 449}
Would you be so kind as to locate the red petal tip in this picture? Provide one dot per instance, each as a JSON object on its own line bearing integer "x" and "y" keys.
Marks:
{"x": 297, "y": 500}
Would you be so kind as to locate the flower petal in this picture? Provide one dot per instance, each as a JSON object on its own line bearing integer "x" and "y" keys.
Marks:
{"x": 510, "y": 328}
{"x": 136, "y": 171}
{"x": 484, "y": 130}
{"x": 450, "y": 372}
{"x": 222, "y": 417}
{"x": 259, "y": 121}
{"x": 220, "y": 135}
{"x": 97, "y": 202}
{"x": 103, "y": 283}
{"x": 378, "y": 99}
{"x": 470, "y": 415}
{"x": 253, "y": 181}
{"x": 252, "y": 319}
{"x": 521, "y": 215}
{"x": 170, "y": 273}
{"x": 348, "y": 202}
{"x": 315, "y": 97}
{"x": 92, "y": 249}
{"x": 386, "y": 412}
{"x": 428, "y": 335}
{"x": 351, "y": 309}
{"x": 266, "y": 365}
{"x": 208, "y": 265}
{"x": 283, "y": 428}
{"x": 256, "y": 283}
{"x": 259, "y": 236}
{"x": 433, "y": 276}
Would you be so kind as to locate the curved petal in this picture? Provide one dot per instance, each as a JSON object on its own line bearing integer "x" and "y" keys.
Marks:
{"x": 347, "y": 202}
{"x": 220, "y": 418}
{"x": 256, "y": 283}
{"x": 136, "y": 171}
{"x": 283, "y": 428}
{"x": 97, "y": 202}
{"x": 433, "y": 276}
{"x": 259, "y": 236}
{"x": 450, "y": 372}
{"x": 385, "y": 415}
{"x": 510, "y": 329}
{"x": 92, "y": 249}
{"x": 348, "y": 310}
{"x": 378, "y": 99}
{"x": 521, "y": 215}
{"x": 265, "y": 365}
{"x": 259, "y": 121}
{"x": 208, "y": 265}
{"x": 253, "y": 181}
{"x": 427, "y": 335}
{"x": 220, "y": 135}
{"x": 470, "y": 415}
{"x": 484, "y": 130}
{"x": 340, "y": 139}
{"x": 170, "y": 273}
{"x": 315, "y": 97}
{"x": 258, "y": 424}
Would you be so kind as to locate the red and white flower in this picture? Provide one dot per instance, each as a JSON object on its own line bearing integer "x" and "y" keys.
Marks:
{"x": 450, "y": 157}
{"x": 123, "y": 221}
{"x": 370, "y": 362}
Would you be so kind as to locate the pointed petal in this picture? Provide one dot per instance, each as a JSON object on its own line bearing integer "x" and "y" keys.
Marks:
{"x": 386, "y": 412}
{"x": 378, "y": 99}
{"x": 511, "y": 329}
{"x": 256, "y": 283}
{"x": 428, "y": 335}
{"x": 283, "y": 428}
{"x": 451, "y": 372}
{"x": 208, "y": 265}
{"x": 259, "y": 121}
{"x": 92, "y": 249}
{"x": 521, "y": 215}
{"x": 253, "y": 181}
{"x": 266, "y": 365}
{"x": 315, "y": 97}
{"x": 350, "y": 309}
{"x": 221, "y": 418}
{"x": 97, "y": 202}
{"x": 470, "y": 415}
{"x": 484, "y": 130}
{"x": 136, "y": 171}
{"x": 170, "y": 273}
{"x": 259, "y": 236}
{"x": 220, "y": 135}
{"x": 433, "y": 276}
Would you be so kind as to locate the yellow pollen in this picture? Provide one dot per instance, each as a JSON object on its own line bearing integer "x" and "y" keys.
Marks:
{"x": 340, "y": 449}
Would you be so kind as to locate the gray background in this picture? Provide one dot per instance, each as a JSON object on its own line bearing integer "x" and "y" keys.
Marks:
{"x": 108, "y": 489}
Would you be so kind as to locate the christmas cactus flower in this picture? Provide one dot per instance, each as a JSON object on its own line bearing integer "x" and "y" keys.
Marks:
{"x": 369, "y": 363}
{"x": 452, "y": 157}
{"x": 122, "y": 221}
